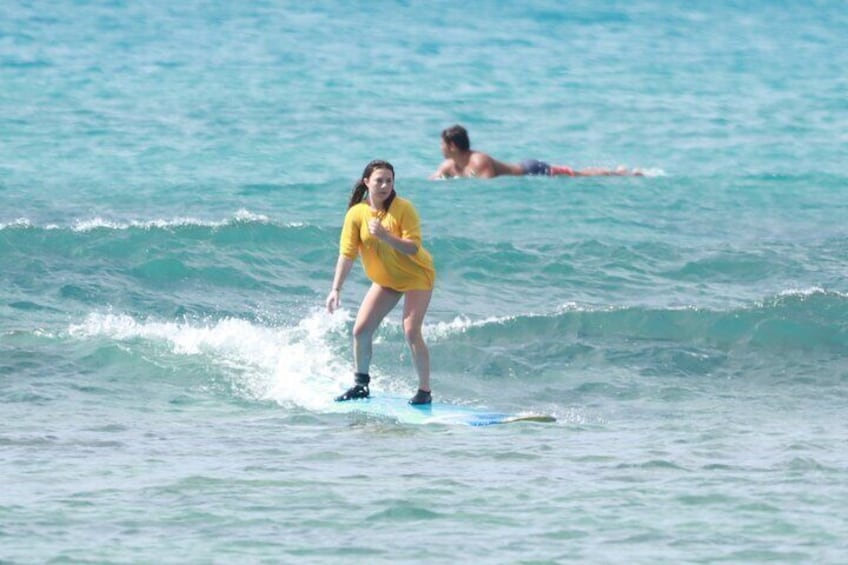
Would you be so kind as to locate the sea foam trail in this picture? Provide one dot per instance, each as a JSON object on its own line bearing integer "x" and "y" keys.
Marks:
{"x": 289, "y": 365}
{"x": 241, "y": 216}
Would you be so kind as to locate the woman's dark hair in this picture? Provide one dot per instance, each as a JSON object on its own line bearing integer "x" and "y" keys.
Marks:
{"x": 457, "y": 135}
{"x": 360, "y": 190}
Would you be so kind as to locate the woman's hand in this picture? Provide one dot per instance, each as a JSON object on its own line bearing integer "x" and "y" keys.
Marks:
{"x": 376, "y": 229}
{"x": 379, "y": 231}
{"x": 333, "y": 300}
{"x": 343, "y": 266}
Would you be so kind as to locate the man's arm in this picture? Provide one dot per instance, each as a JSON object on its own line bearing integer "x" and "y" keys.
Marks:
{"x": 442, "y": 171}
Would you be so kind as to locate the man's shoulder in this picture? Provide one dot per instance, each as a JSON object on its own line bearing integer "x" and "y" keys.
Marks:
{"x": 480, "y": 157}
{"x": 483, "y": 164}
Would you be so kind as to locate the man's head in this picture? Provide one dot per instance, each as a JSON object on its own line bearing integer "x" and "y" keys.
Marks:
{"x": 457, "y": 136}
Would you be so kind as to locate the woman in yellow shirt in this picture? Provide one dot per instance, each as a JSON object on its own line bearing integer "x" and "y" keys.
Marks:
{"x": 385, "y": 231}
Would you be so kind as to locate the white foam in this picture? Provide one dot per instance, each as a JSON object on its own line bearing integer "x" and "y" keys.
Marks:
{"x": 651, "y": 172}
{"x": 17, "y": 223}
{"x": 90, "y": 224}
{"x": 461, "y": 324}
{"x": 802, "y": 291}
{"x": 811, "y": 291}
{"x": 288, "y": 365}
{"x": 244, "y": 215}
{"x": 304, "y": 365}
{"x": 241, "y": 216}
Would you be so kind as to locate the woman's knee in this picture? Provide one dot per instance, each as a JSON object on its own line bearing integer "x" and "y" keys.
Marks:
{"x": 361, "y": 331}
{"x": 413, "y": 334}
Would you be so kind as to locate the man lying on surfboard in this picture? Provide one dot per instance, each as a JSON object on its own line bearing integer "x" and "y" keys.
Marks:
{"x": 462, "y": 161}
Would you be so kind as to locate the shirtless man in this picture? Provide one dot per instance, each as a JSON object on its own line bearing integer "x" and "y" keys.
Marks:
{"x": 462, "y": 161}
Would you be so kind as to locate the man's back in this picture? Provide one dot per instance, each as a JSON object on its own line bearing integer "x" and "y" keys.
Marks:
{"x": 476, "y": 164}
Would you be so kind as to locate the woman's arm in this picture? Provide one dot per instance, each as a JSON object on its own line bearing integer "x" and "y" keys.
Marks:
{"x": 343, "y": 266}
{"x": 406, "y": 246}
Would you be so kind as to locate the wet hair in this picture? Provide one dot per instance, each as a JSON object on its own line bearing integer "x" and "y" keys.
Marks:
{"x": 360, "y": 189}
{"x": 457, "y": 135}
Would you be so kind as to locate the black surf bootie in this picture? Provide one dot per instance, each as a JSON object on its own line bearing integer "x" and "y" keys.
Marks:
{"x": 421, "y": 397}
{"x": 359, "y": 390}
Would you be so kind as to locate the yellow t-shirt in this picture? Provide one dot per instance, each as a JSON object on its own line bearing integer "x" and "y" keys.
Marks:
{"x": 384, "y": 264}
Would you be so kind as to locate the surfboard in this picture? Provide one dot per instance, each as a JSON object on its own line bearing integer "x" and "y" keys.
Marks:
{"x": 399, "y": 409}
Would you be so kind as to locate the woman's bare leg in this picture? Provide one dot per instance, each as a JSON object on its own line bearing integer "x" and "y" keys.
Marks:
{"x": 415, "y": 306}
{"x": 378, "y": 302}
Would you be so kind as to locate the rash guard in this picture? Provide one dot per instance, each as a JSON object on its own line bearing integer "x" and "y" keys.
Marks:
{"x": 384, "y": 264}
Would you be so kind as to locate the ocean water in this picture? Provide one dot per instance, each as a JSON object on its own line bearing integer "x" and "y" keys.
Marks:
{"x": 173, "y": 178}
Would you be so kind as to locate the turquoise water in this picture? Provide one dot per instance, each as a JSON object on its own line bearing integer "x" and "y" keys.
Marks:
{"x": 172, "y": 183}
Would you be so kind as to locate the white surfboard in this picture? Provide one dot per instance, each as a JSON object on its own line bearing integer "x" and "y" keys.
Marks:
{"x": 399, "y": 409}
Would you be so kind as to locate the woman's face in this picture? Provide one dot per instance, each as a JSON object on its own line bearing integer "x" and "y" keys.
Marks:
{"x": 380, "y": 185}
